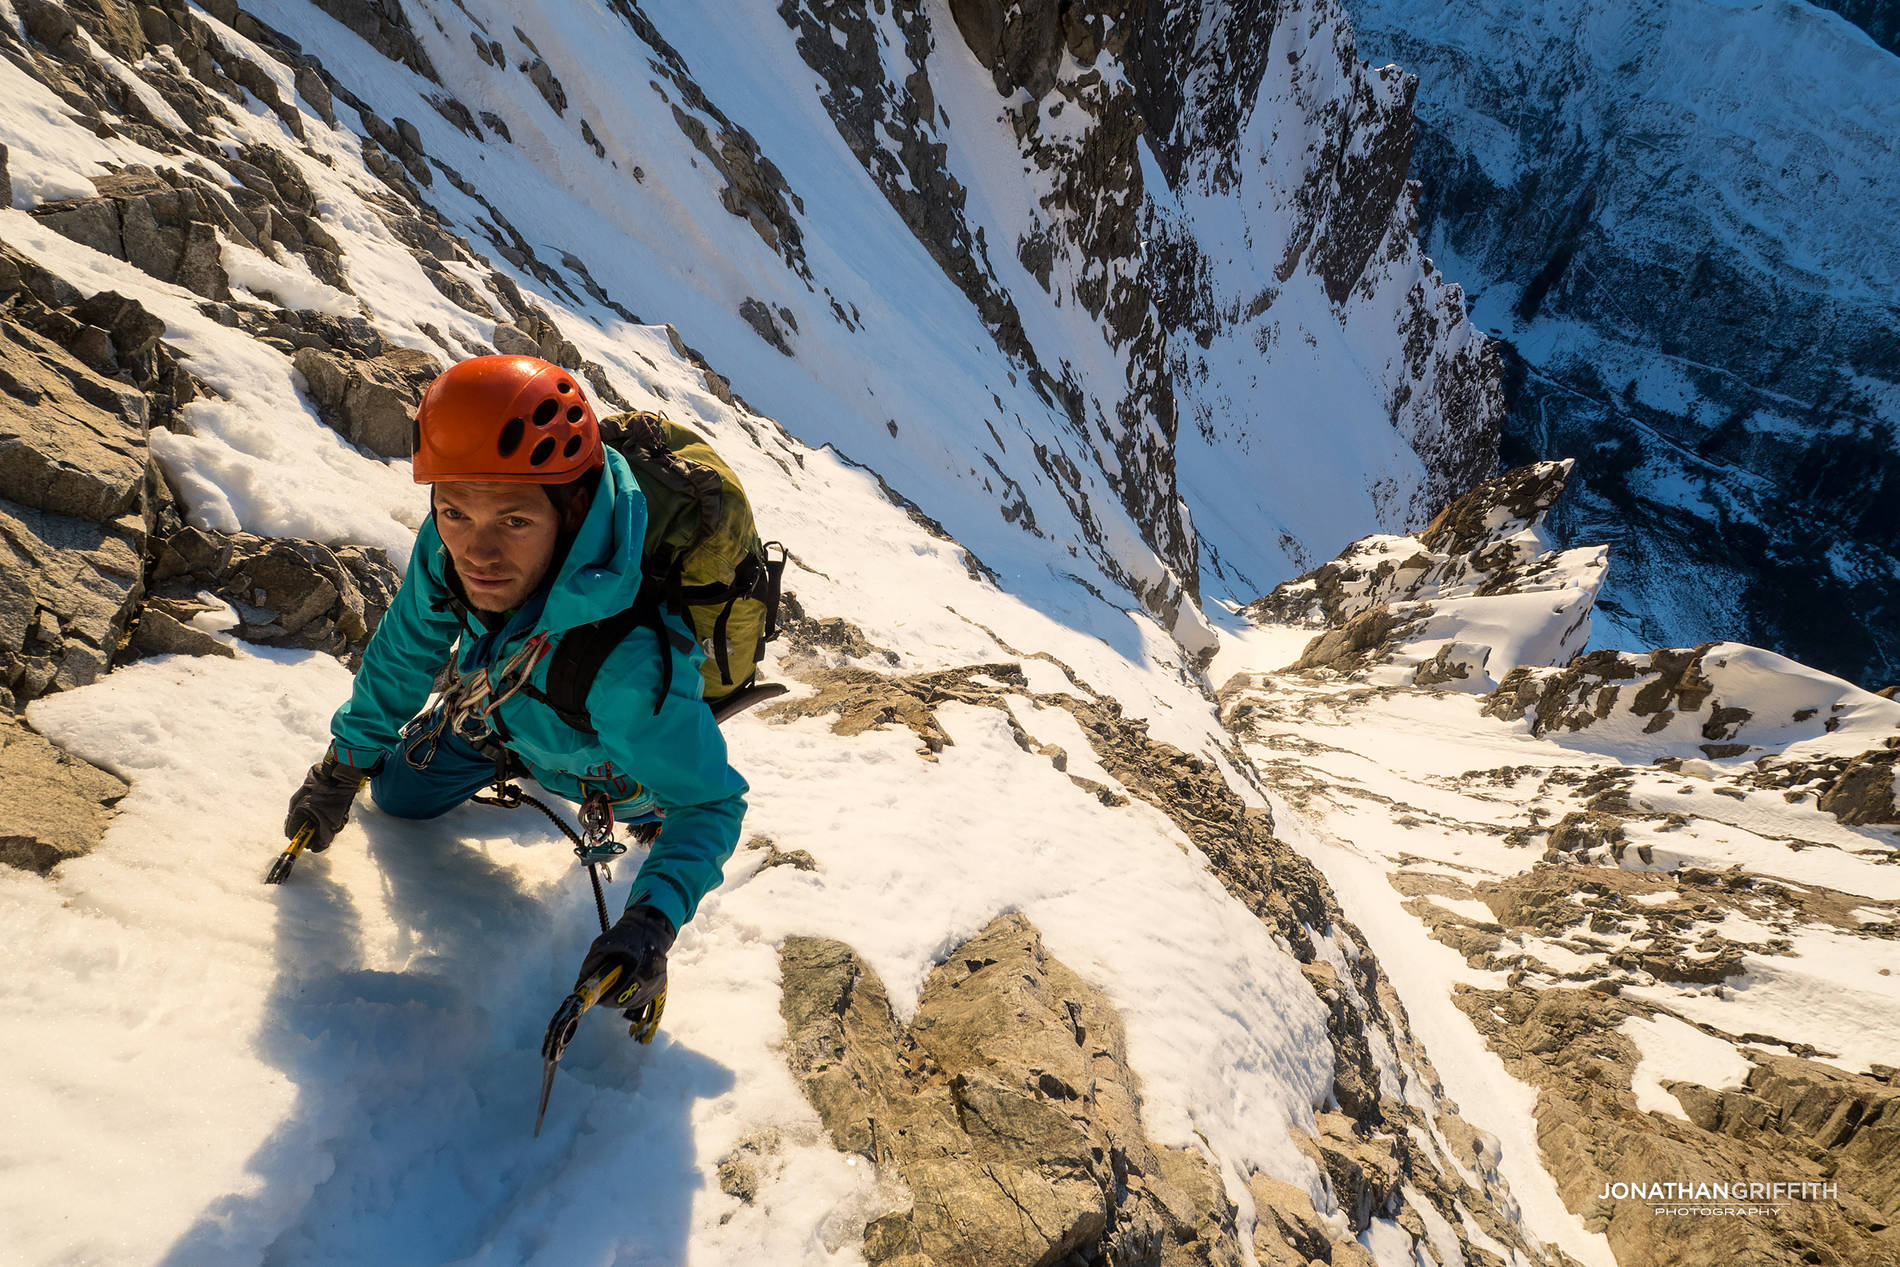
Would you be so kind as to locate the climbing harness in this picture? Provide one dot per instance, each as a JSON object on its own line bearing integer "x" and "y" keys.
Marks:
{"x": 594, "y": 845}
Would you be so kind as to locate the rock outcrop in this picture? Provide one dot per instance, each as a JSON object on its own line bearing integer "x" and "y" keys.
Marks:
{"x": 78, "y": 493}
{"x": 371, "y": 400}
{"x": 1793, "y": 1122}
{"x": 56, "y": 806}
{"x": 1006, "y": 1110}
{"x": 284, "y": 592}
{"x": 88, "y": 525}
{"x": 151, "y": 223}
{"x": 1701, "y": 701}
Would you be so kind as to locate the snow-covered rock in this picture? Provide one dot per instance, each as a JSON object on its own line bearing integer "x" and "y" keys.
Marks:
{"x": 1478, "y": 592}
{"x": 1599, "y": 866}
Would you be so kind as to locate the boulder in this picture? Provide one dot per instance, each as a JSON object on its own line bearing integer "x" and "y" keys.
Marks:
{"x": 56, "y": 807}
{"x": 68, "y": 590}
{"x": 109, "y": 334}
{"x": 71, "y": 441}
{"x": 512, "y": 340}
{"x": 372, "y": 401}
{"x": 1007, "y": 1109}
{"x": 48, "y": 25}
{"x": 1865, "y": 791}
{"x": 316, "y": 93}
{"x": 164, "y": 628}
{"x": 755, "y": 314}
{"x": 384, "y": 27}
{"x": 286, "y": 592}
{"x": 155, "y": 221}
{"x": 547, "y": 337}
{"x": 542, "y": 77}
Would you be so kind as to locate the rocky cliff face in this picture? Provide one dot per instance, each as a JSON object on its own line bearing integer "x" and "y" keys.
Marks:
{"x": 1185, "y": 165}
{"x": 1880, "y": 21}
{"x": 1680, "y": 222}
{"x": 1282, "y": 227}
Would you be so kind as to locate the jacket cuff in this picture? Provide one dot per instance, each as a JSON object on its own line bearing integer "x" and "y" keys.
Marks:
{"x": 349, "y": 762}
{"x": 663, "y": 896}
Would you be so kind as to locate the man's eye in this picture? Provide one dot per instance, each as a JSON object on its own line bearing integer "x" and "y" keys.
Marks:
{"x": 449, "y": 512}
{"x": 518, "y": 522}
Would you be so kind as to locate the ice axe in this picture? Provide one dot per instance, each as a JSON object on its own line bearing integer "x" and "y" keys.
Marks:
{"x": 567, "y": 1020}
{"x": 280, "y": 869}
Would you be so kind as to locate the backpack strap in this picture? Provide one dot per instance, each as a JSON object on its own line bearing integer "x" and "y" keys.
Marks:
{"x": 577, "y": 659}
{"x": 774, "y": 577}
{"x": 757, "y": 577}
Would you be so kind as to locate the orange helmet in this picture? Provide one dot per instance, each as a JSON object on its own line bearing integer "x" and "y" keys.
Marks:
{"x": 510, "y": 419}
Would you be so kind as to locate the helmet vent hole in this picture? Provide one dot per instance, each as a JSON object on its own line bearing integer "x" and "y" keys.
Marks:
{"x": 545, "y": 411}
{"x": 564, "y": 387}
{"x": 574, "y": 413}
{"x": 572, "y": 447}
{"x": 542, "y": 451}
{"x": 511, "y": 437}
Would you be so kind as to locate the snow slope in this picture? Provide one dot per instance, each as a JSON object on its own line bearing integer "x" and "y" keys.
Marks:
{"x": 205, "y": 1070}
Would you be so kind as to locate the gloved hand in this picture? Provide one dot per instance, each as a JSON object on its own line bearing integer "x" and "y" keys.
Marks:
{"x": 323, "y": 802}
{"x": 637, "y": 945}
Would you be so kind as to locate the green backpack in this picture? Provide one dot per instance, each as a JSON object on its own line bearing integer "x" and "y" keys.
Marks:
{"x": 702, "y": 559}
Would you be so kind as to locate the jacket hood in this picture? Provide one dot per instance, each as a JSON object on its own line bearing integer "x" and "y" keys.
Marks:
{"x": 601, "y": 574}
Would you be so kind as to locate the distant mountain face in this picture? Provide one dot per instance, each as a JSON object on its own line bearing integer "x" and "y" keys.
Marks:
{"x": 1197, "y": 235}
{"x": 1682, "y": 220}
{"x": 1879, "y": 18}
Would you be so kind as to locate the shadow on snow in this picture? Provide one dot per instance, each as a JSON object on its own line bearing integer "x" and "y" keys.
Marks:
{"x": 410, "y": 1140}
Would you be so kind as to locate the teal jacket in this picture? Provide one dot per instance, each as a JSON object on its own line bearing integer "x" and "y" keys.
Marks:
{"x": 674, "y": 762}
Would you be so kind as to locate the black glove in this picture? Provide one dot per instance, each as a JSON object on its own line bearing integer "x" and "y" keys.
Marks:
{"x": 637, "y": 945}
{"x": 323, "y": 802}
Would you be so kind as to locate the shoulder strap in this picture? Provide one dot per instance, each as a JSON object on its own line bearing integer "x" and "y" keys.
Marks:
{"x": 577, "y": 659}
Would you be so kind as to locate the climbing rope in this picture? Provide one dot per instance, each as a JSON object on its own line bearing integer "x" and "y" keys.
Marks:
{"x": 597, "y": 849}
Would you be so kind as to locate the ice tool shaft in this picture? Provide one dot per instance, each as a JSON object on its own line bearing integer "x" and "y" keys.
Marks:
{"x": 280, "y": 869}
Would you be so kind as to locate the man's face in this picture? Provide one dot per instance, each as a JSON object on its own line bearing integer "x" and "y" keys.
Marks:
{"x": 501, "y": 536}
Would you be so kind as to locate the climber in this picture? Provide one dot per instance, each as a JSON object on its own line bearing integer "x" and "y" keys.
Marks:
{"x": 536, "y": 529}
